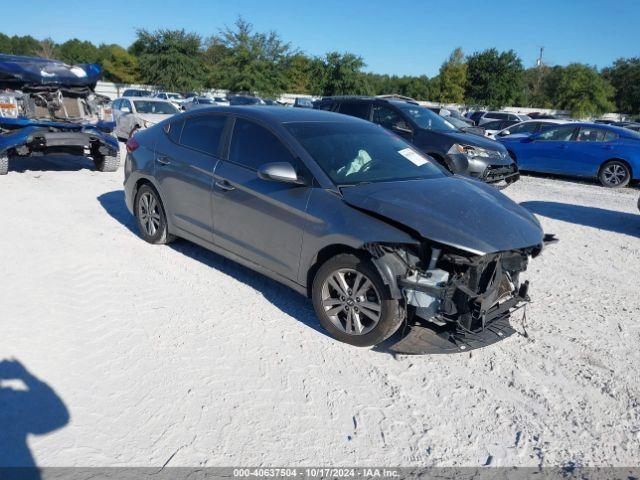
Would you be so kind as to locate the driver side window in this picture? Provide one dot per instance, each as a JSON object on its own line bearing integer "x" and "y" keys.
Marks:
{"x": 559, "y": 134}
{"x": 386, "y": 117}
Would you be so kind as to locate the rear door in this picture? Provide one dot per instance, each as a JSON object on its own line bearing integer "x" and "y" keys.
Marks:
{"x": 593, "y": 146}
{"x": 186, "y": 156}
{"x": 261, "y": 221}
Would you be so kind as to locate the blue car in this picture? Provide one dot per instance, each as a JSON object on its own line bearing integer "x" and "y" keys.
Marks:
{"x": 49, "y": 107}
{"x": 610, "y": 154}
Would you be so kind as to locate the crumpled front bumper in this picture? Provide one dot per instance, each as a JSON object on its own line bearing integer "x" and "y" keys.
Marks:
{"x": 48, "y": 137}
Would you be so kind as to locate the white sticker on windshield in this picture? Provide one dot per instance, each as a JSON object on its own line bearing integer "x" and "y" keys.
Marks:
{"x": 413, "y": 156}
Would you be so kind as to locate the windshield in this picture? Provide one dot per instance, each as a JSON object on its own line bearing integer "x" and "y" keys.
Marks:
{"x": 425, "y": 118}
{"x": 159, "y": 108}
{"x": 351, "y": 153}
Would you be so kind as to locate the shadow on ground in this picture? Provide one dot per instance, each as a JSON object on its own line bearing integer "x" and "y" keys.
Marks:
{"x": 284, "y": 298}
{"x": 611, "y": 220}
{"x": 413, "y": 340}
{"x": 577, "y": 180}
{"x": 50, "y": 163}
{"x": 27, "y": 406}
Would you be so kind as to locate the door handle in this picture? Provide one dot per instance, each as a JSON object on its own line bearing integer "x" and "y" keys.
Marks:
{"x": 163, "y": 160}
{"x": 224, "y": 185}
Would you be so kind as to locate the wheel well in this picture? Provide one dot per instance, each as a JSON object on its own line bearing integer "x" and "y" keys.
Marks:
{"x": 322, "y": 256}
{"x": 139, "y": 183}
{"x": 621, "y": 160}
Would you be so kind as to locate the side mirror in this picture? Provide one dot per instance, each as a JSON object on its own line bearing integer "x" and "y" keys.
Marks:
{"x": 504, "y": 133}
{"x": 125, "y": 110}
{"x": 280, "y": 172}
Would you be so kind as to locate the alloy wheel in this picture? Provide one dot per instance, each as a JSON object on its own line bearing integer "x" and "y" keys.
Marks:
{"x": 149, "y": 213}
{"x": 614, "y": 174}
{"x": 351, "y": 301}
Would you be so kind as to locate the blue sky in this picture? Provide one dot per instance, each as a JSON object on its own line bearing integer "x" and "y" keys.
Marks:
{"x": 401, "y": 36}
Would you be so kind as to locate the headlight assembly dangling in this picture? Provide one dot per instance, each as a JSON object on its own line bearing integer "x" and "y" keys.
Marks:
{"x": 468, "y": 150}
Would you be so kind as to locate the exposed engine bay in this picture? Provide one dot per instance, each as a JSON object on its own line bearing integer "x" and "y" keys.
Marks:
{"x": 55, "y": 103}
{"x": 49, "y": 107}
{"x": 458, "y": 295}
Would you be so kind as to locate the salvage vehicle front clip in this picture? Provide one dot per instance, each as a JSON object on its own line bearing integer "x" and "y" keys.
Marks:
{"x": 49, "y": 107}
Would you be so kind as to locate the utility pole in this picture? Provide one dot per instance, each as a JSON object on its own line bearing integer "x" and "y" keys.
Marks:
{"x": 539, "y": 61}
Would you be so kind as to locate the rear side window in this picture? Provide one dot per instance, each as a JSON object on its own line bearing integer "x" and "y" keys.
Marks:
{"x": 203, "y": 133}
{"x": 173, "y": 131}
{"x": 497, "y": 116}
{"x": 355, "y": 109}
{"x": 252, "y": 146}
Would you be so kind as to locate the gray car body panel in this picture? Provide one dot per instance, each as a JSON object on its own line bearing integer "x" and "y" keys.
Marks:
{"x": 485, "y": 220}
{"x": 279, "y": 229}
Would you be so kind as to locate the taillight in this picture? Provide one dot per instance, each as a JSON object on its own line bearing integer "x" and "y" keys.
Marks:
{"x": 132, "y": 144}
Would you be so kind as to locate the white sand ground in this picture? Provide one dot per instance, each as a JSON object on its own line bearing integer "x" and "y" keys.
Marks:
{"x": 173, "y": 353}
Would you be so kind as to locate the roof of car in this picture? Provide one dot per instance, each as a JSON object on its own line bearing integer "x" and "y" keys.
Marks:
{"x": 281, "y": 114}
{"x": 150, "y": 99}
{"x": 395, "y": 100}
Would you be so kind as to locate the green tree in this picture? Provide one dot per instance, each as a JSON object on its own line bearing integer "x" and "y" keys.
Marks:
{"x": 298, "y": 72}
{"x": 494, "y": 79}
{"x": 25, "y": 45}
{"x": 339, "y": 74}
{"x": 77, "y": 51}
{"x": 581, "y": 89}
{"x": 244, "y": 60}
{"x": 453, "y": 78}
{"x": 170, "y": 59}
{"x": 118, "y": 65}
{"x": 624, "y": 75}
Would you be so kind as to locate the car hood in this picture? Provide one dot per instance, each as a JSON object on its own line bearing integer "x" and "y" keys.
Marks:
{"x": 153, "y": 118}
{"x": 19, "y": 71}
{"x": 455, "y": 211}
{"x": 475, "y": 140}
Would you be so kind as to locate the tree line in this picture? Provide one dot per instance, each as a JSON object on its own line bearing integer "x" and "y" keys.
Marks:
{"x": 240, "y": 59}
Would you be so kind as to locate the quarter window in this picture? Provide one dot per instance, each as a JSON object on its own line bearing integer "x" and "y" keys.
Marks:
{"x": 253, "y": 146}
{"x": 174, "y": 130}
{"x": 203, "y": 133}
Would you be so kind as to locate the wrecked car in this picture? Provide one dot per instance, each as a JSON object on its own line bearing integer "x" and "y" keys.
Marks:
{"x": 339, "y": 209}
{"x": 49, "y": 107}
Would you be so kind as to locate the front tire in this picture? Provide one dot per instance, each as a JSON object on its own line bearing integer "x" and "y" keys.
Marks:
{"x": 151, "y": 217}
{"x": 352, "y": 302}
{"x": 107, "y": 163}
{"x": 614, "y": 174}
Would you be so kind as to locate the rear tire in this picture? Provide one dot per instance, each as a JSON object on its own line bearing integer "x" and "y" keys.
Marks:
{"x": 614, "y": 174}
{"x": 4, "y": 164}
{"x": 350, "y": 309}
{"x": 107, "y": 163}
{"x": 151, "y": 217}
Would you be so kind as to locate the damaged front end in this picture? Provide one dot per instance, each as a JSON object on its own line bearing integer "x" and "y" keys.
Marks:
{"x": 458, "y": 299}
{"x": 48, "y": 107}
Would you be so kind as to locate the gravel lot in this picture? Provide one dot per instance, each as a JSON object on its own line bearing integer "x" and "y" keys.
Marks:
{"x": 174, "y": 354}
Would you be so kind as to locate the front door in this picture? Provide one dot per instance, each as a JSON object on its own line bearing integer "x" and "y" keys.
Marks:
{"x": 259, "y": 220}
{"x": 549, "y": 153}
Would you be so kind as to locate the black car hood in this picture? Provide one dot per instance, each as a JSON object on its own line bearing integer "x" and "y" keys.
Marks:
{"x": 455, "y": 211}
{"x": 18, "y": 71}
{"x": 463, "y": 138}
